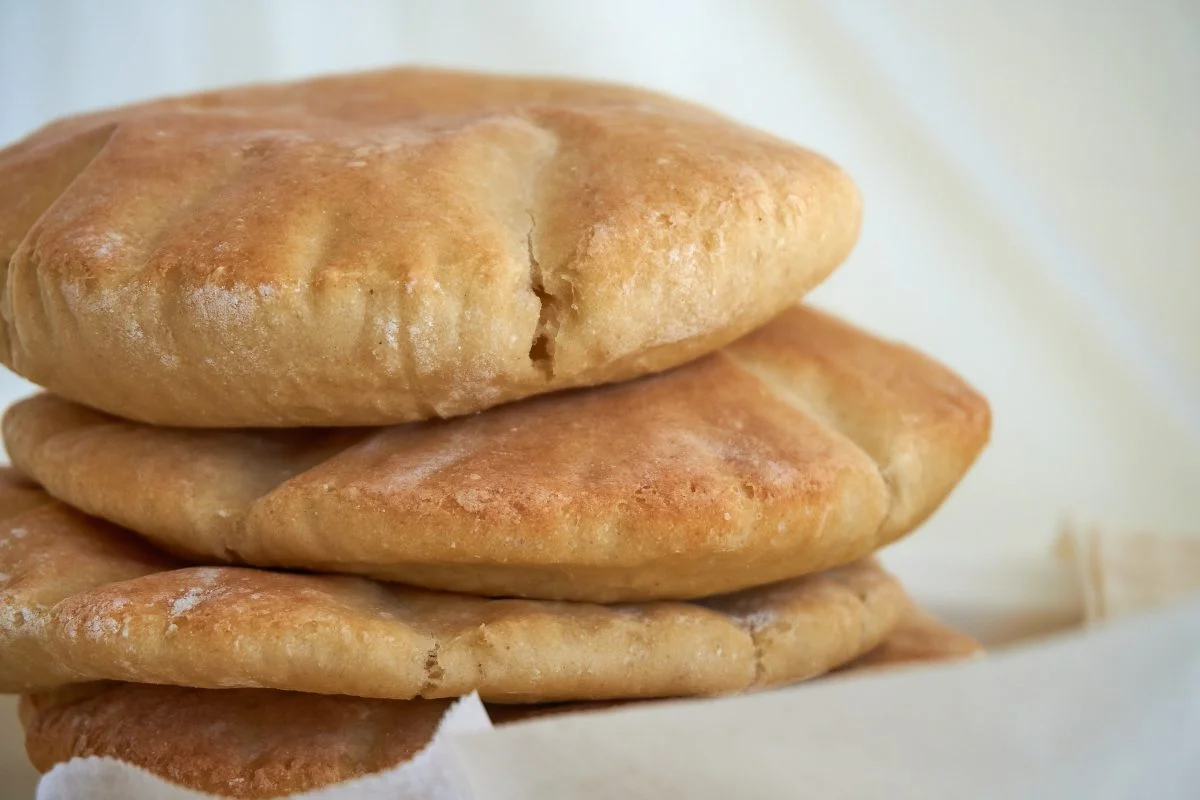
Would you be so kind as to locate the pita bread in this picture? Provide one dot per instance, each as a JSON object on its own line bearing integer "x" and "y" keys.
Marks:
{"x": 81, "y": 600}
{"x": 263, "y": 743}
{"x": 919, "y": 639}
{"x": 806, "y": 445}
{"x": 398, "y": 245}
{"x": 231, "y": 742}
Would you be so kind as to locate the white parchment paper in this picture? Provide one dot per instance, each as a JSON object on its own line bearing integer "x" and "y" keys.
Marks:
{"x": 1112, "y": 712}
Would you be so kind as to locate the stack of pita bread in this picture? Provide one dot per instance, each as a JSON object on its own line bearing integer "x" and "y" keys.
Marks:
{"x": 373, "y": 391}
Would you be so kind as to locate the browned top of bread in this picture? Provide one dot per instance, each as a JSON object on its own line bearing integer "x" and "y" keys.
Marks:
{"x": 804, "y": 445}
{"x": 396, "y": 245}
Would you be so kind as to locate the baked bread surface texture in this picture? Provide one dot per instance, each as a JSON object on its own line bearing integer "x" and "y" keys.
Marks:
{"x": 397, "y": 245}
{"x": 264, "y": 743}
{"x": 804, "y": 445}
{"x": 82, "y": 600}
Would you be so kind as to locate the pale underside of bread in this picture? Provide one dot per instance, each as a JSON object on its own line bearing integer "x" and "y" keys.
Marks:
{"x": 804, "y": 445}
{"x": 82, "y": 600}
{"x": 264, "y": 743}
{"x": 394, "y": 246}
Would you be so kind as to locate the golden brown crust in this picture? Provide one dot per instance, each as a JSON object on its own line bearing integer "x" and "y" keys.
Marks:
{"x": 47, "y": 554}
{"x": 398, "y": 245}
{"x": 919, "y": 422}
{"x": 233, "y": 742}
{"x": 260, "y": 743}
{"x": 805, "y": 445}
{"x": 84, "y": 601}
{"x": 919, "y": 639}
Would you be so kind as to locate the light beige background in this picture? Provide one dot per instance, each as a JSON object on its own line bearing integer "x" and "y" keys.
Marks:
{"x": 1029, "y": 168}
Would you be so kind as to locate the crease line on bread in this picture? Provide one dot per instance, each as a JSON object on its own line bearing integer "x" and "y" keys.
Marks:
{"x": 802, "y": 404}
{"x": 541, "y": 348}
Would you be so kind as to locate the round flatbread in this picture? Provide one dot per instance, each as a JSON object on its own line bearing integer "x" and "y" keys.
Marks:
{"x": 232, "y": 742}
{"x": 805, "y": 445}
{"x": 263, "y": 743}
{"x": 394, "y": 246}
{"x": 81, "y": 600}
{"x": 918, "y": 640}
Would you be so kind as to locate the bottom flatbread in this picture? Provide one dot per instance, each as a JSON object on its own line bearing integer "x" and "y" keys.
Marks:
{"x": 265, "y": 743}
